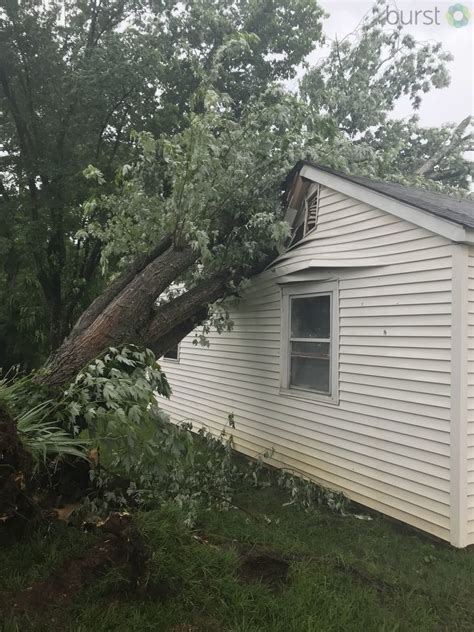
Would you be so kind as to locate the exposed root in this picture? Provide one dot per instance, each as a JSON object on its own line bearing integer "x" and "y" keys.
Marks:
{"x": 15, "y": 474}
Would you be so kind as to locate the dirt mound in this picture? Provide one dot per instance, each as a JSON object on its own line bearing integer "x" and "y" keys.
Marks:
{"x": 15, "y": 471}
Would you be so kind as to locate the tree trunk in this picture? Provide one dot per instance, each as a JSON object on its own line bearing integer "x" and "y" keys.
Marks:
{"x": 126, "y": 312}
{"x": 101, "y": 302}
{"x": 172, "y": 321}
{"x": 57, "y": 326}
{"x": 120, "y": 320}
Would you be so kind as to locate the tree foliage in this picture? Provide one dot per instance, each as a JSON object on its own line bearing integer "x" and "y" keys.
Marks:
{"x": 358, "y": 84}
{"x": 356, "y": 87}
{"x": 75, "y": 79}
{"x": 140, "y": 135}
{"x": 214, "y": 187}
{"x": 425, "y": 156}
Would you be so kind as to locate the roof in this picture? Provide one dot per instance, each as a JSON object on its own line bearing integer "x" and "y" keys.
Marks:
{"x": 458, "y": 211}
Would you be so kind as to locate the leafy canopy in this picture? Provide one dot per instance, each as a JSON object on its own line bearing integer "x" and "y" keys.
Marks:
{"x": 365, "y": 73}
{"x": 215, "y": 186}
{"x": 175, "y": 113}
{"x": 76, "y": 78}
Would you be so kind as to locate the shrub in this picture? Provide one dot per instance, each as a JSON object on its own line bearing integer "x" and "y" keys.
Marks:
{"x": 44, "y": 438}
{"x": 39, "y": 432}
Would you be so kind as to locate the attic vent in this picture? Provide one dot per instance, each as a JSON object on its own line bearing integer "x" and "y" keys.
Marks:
{"x": 311, "y": 212}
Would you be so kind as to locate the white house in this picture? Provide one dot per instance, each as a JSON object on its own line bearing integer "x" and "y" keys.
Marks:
{"x": 352, "y": 356}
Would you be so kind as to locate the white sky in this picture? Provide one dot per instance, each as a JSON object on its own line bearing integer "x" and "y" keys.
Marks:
{"x": 450, "y": 104}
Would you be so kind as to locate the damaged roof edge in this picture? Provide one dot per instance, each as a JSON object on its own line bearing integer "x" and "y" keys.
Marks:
{"x": 440, "y": 213}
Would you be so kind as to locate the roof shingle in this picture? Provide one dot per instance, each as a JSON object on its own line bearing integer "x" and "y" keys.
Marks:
{"x": 440, "y": 204}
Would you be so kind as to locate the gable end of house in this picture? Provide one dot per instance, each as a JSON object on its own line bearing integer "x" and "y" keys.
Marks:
{"x": 439, "y": 213}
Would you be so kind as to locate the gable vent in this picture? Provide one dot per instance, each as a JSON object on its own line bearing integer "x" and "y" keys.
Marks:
{"x": 311, "y": 212}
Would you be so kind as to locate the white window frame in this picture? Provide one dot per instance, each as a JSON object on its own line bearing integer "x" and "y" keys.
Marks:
{"x": 307, "y": 290}
{"x": 175, "y": 360}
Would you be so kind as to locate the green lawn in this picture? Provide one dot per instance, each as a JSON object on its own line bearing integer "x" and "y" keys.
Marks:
{"x": 280, "y": 570}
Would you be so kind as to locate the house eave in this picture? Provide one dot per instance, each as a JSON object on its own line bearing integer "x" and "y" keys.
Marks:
{"x": 438, "y": 225}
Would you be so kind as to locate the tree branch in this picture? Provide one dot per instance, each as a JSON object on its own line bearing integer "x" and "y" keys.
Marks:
{"x": 456, "y": 140}
{"x": 25, "y": 141}
{"x": 107, "y": 118}
{"x": 180, "y": 331}
{"x": 174, "y": 320}
{"x": 183, "y": 309}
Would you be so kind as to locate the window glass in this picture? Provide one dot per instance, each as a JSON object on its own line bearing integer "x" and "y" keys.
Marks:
{"x": 310, "y": 362}
{"x": 311, "y": 317}
{"x": 310, "y": 374}
{"x": 171, "y": 354}
{"x": 314, "y": 350}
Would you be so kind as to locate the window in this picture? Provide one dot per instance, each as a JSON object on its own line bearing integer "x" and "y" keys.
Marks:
{"x": 172, "y": 354}
{"x": 310, "y": 339}
{"x": 309, "y": 345}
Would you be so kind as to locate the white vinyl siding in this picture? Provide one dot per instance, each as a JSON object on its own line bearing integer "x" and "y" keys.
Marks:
{"x": 387, "y": 442}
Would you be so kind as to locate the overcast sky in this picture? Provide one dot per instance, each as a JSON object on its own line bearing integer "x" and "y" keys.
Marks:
{"x": 440, "y": 106}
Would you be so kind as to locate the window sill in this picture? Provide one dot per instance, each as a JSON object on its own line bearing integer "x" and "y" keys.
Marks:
{"x": 309, "y": 396}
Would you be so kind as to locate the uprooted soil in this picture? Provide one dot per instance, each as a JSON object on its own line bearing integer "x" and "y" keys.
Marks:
{"x": 15, "y": 471}
{"x": 59, "y": 589}
{"x": 267, "y": 567}
{"x": 120, "y": 544}
{"x": 257, "y": 563}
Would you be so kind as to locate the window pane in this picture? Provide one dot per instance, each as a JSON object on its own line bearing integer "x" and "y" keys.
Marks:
{"x": 311, "y": 317}
{"x": 171, "y": 354}
{"x": 315, "y": 350}
{"x": 310, "y": 366}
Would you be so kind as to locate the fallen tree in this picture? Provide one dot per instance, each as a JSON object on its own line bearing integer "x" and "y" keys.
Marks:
{"x": 209, "y": 223}
{"x": 127, "y": 65}
{"x": 116, "y": 66}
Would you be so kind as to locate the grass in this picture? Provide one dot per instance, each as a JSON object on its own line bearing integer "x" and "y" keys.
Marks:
{"x": 344, "y": 575}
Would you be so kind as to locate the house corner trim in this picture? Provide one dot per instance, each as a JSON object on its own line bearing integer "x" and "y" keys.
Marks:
{"x": 459, "y": 395}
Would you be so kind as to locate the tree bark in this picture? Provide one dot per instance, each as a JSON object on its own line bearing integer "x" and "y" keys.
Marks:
{"x": 183, "y": 309}
{"x": 126, "y": 312}
{"x": 180, "y": 331}
{"x": 101, "y": 302}
{"x": 123, "y": 318}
